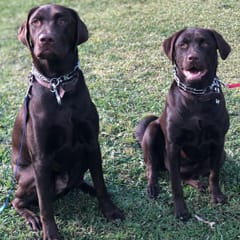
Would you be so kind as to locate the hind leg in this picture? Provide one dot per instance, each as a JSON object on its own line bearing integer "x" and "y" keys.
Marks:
{"x": 195, "y": 183}
{"x": 25, "y": 196}
{"x": 153, "y": 152}
{"x": 22, "y": 207}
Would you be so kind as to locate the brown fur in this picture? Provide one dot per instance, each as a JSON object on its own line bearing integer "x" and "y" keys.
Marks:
{"x": 61, "y": 142}
{"x": 188, "y": 138}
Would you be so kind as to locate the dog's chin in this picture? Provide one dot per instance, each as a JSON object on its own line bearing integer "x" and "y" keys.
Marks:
{"x": 194, "y": 75}
{"x": 48, "y": 55}
{"x": 47, "y": 52}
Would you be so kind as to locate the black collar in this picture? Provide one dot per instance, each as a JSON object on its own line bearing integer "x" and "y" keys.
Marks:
{"x": 213, "y": 89}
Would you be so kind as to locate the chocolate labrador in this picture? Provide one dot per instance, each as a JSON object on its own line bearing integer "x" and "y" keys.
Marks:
{"x": 188, "y": 138}
{"x": 55, "y": 136}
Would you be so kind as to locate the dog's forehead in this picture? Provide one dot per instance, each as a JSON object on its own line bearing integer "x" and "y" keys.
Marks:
{"x": 50, "y": 10}
{"x": 195, "y": 33}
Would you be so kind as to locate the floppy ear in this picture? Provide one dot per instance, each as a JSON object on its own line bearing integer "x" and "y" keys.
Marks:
{"x": 222, "y": 45}
{"x": 168, "y": 45}
{"x": 23, "y": 34}
{"x": 82, "y": 32}
{"x": 23, "y": 31}
{"x": 81, "y": 29}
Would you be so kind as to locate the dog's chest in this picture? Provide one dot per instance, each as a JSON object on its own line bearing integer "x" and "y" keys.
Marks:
{"x": 196, "y": 133}
{"x": 70, "y": 144}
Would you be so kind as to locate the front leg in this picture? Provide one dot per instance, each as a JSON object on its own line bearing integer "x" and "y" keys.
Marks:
{"x": 42, "y": 168}
{"x": 180, "y": 208}
{"x": 44, "y": 187}
{"x": 217, "y": 158}
{"x": 108, "y": 208}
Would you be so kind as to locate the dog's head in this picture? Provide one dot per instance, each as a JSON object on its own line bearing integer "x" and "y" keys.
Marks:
{"x": 194, "y": 51}
{"x": 51, "y": 31}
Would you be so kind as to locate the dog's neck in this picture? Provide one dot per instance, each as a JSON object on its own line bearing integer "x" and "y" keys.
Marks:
{"x": 53, "y": 68}
{"x": 207, "y": 93}
{"x": 58, "y": 80}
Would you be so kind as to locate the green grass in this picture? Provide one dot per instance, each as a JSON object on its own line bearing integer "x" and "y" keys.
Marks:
{"x": 128, "y": 77}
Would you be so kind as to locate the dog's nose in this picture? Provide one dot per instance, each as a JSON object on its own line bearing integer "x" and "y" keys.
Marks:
{"x": 192, "y": 57}
{"x": 46, "y": 38}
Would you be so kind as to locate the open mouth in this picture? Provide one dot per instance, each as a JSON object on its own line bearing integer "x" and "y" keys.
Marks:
{"x": 194, "y": 73}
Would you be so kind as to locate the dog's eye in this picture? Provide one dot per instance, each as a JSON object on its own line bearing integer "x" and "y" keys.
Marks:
{"x": 183, "y": 45}
{"x": 36, "y": 21}
{"x": 203, "y": 43}
{"x": 61, "y": 21}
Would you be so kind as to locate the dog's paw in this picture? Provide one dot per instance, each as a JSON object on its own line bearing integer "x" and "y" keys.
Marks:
{"x": 52, "y": 238}
{"x": 50, "y": 231}
{"x": 111, "y": 212}
{"x": 218, "y": 198}
{"x": 183, "y": 216}
{"x": 114, "y": 214}
{"x": 200, "y": 186}
{"x": 57, "y": 237}
{"x": 32, "y": 220}
{"x": 181, "y": 211}
{"x": 152, "y": 190}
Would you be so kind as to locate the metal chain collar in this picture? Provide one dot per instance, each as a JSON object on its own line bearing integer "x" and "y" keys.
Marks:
{"x": 214, "y": 87}
{"x": 55, "y": 83}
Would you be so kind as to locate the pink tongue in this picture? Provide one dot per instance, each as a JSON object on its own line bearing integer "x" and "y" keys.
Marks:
{"x": 192, "y": 75}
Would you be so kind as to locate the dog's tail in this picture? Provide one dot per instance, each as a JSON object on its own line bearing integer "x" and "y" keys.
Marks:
{"x": 158, "y": 144}
{"x": 142, "y": 126}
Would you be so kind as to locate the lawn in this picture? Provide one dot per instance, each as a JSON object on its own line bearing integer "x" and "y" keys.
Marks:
{"x": 128, "y": 77}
